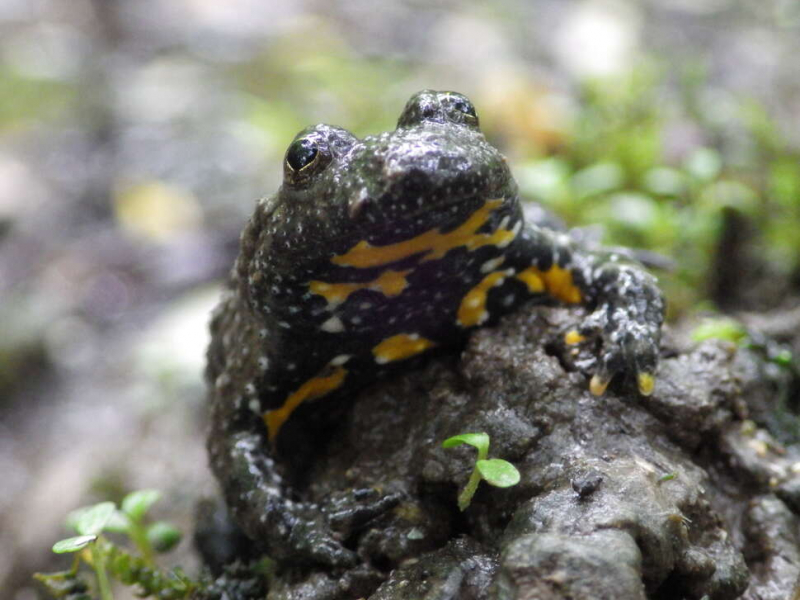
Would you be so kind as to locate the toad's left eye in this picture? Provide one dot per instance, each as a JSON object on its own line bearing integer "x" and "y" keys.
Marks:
{"x": 301, "y": 154}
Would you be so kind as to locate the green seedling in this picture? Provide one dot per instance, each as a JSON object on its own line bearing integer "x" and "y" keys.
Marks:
{"x": 89, "y": 524}
{"x": 494, "y": 471}
{"x": 722, "y": 328}
{"x": 93, "y": 548}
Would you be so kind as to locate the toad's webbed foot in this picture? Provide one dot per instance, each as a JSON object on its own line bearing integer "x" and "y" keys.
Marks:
{"x": 627, "y": 318}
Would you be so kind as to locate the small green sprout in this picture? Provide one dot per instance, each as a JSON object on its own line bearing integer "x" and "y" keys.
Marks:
{"x": 494, "y": 471}
{"x": 783, "y": 357}
{"x": 105, "y": 557}
{"x": 722, "y": 328}
{"x": 89, "y": 524}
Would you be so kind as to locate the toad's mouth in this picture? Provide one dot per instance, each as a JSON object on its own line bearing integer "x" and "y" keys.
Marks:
{"x": 434, "y": 243}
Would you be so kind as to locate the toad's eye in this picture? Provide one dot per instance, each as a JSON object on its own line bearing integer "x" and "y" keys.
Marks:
{"x": 465, "y": 106}
{"x": 301, "y": 154}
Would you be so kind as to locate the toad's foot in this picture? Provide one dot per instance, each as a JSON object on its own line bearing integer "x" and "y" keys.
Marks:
{"x": 290, "y": 531}
{"x": 627, "y": 319}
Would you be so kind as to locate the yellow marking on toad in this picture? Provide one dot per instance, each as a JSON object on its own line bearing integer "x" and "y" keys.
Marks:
{"x": 400, "y": 347}
{"x": 316, "y": 387}
{"x": 573, "y": 337}
{"x": 532, "y": 278}
{"x": 472, "y": 310}
{"x": 390, "y": 283}
{"x": 598, "y": 385}
{"x": 555, "y": 281}
{"x": 432, "y": 244}
{"x": 646, "y": 383}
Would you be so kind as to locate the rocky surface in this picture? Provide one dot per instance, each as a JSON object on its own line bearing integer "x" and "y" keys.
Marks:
{"x": 194, "y": 97}
{"x": 679, "y": 495}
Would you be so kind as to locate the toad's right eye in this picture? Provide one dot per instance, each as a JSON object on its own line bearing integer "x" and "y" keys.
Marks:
{"x": 465, "y": 106}
{"x": 301, "y": 154}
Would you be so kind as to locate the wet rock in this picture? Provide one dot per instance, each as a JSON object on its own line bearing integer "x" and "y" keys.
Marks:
{"x": 606, "y": 565}
{"x": 680, "y": 495}
{"x": 773, "y": 548}
{"x": 461, "y": 570}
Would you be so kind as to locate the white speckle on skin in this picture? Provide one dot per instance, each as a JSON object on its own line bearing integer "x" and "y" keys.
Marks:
{"x": 255, "y": 406}
{"x": 222, "y": 381}
{"x": 514, "y": 231}
{"x": 333, "y": 325}
{"x": 340, "y": 360}
{"x": 492, "y": 264}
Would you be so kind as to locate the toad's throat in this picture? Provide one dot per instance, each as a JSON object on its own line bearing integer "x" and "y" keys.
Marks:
{"x": 432, "y": 244}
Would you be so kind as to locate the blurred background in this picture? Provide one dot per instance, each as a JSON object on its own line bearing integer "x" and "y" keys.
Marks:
{"x": 135, "y": 138}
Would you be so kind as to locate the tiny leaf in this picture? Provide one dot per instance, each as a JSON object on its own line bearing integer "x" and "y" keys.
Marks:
{"x": 163, "y": 536}
{"x": 478, "y": 440}
{"x": 64, "y": 584}
{"x": 498, "y": 472}
{"x": 73, "y": 544}
{"x": 704, "y": 164}
{"x": 721, "y": 328}
{"x": 118, "y": 523}
{"x": 136, "y": 504}
{"x": 94, "y": 519}
{"x": 783, "y": 358}
{"x": 74, "y": 517}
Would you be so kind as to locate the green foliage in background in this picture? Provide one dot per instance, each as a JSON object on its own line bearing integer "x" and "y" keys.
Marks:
{"x": 658, "y": 171}
{"x": 27, "y": 100}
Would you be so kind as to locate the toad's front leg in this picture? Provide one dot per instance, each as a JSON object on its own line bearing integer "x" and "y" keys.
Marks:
{"x": 289, "y": 530}
{"x": 626, "y": 302}
{"x": 259, "y": 500}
